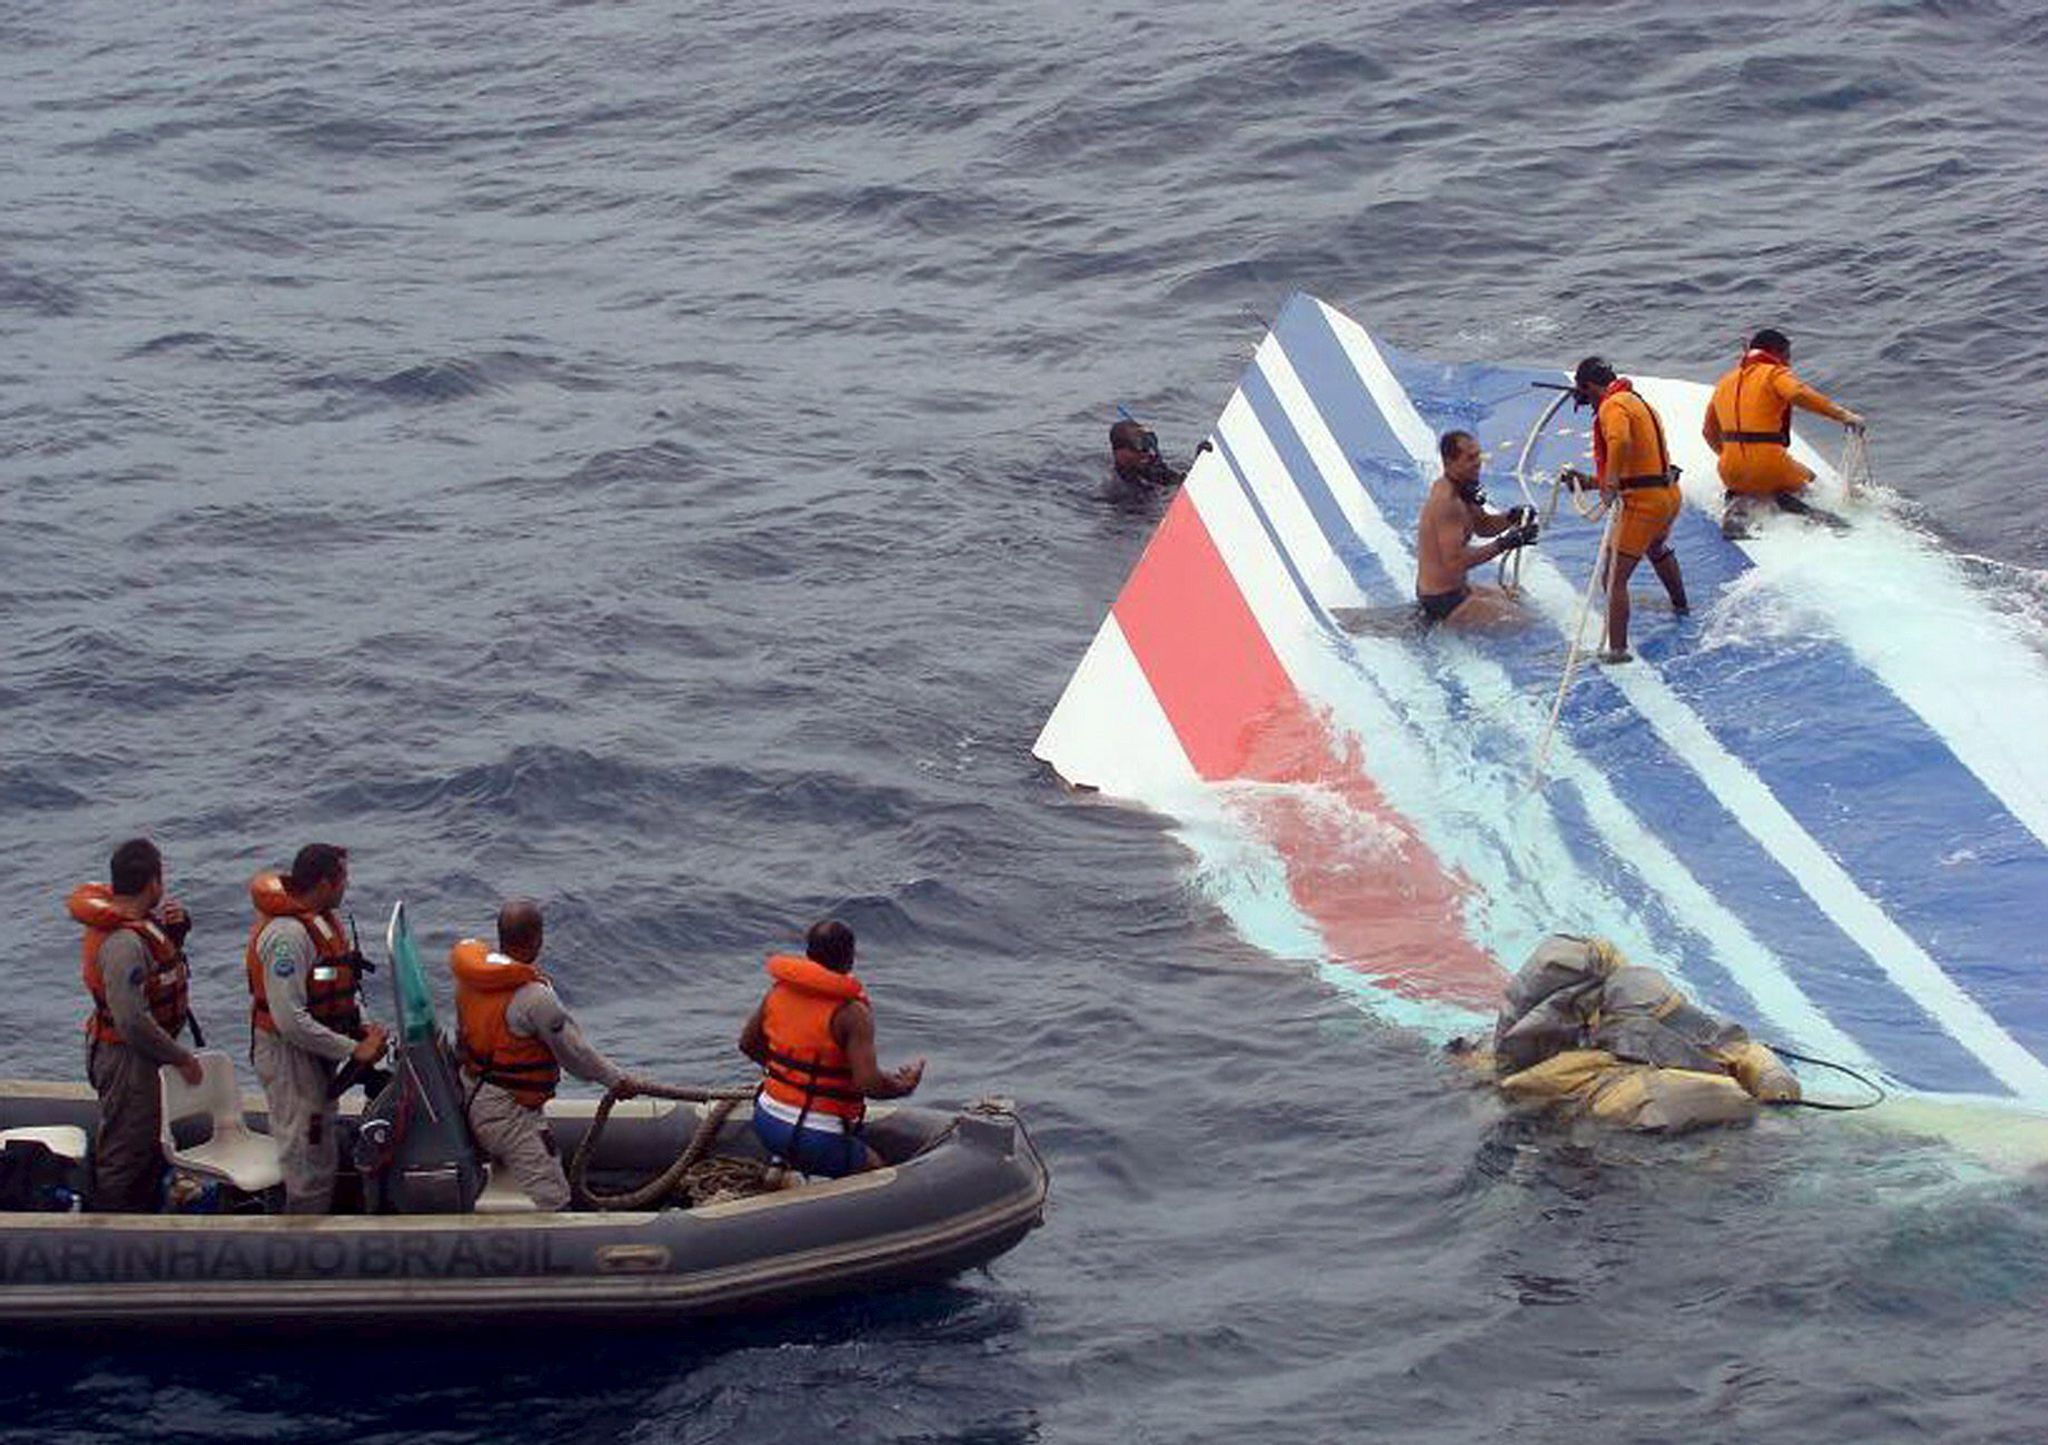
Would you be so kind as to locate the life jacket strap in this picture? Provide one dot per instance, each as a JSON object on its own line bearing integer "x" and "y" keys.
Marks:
{"x": 807, "y": 1066}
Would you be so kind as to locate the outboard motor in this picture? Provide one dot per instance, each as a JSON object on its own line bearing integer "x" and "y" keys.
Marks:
{"x": 413, "y": 1147}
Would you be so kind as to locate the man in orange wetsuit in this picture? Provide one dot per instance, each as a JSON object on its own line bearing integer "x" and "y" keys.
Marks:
{"x": 1633, "y": 467}
{"x": 814, "y": 1038}
{"x": 1749, "y": 426}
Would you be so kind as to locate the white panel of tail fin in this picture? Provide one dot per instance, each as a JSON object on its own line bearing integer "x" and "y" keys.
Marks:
{"x": 1107, "y": 731}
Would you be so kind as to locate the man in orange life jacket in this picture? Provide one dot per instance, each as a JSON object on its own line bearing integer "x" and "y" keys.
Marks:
{"x": 1633, "y": 468}
{"x": 1749, "y": 427}
{"x": 814, "y": 1038}
{"x": 514, "y": 1038}
{"x": 134, "y": 968}
{"x": 305, "y": 1015}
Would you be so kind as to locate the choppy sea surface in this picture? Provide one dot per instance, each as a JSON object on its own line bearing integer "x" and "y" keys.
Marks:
{"x": 652, "y": 458}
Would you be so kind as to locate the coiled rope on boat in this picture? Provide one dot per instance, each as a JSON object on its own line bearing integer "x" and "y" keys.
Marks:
{"x": 663, "y": 1185}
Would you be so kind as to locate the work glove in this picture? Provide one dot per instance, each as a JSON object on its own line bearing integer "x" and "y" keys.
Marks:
{"x": 1521, "y": 514}
{"x": 1853, "y": 421}
{"x": 1520, "y": 536}
{"x": 1573, "y": 478}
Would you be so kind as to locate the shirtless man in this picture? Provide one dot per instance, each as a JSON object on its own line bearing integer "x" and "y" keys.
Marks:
{"x": 1452, "y": 515}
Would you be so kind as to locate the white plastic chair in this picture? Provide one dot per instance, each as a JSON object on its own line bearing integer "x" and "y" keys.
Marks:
{"x": 233, "y": 1151}
{"x": 502, "y": 1194}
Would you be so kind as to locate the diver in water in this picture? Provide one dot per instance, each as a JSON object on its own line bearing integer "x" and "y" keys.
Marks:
{"x": 1749, "y": 427}
{"x": 1452, "y": 515}
{"x": 1134, "y": 451}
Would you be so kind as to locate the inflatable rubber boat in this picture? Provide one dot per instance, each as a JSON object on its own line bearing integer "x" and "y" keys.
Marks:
{"x": 424, "y": 1234}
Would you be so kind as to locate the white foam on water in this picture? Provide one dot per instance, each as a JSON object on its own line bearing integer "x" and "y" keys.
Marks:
{"x": 1975, "y": 674}
{"x": 1247, "y": 878}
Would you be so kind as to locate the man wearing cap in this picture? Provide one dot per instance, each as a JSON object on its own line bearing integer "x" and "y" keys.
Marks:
{"x": 1633, "y": 468}
{"x": 1749, "y": 427}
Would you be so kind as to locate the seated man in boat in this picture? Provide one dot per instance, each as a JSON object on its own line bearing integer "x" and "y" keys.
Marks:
{"x": 1633, "y": 468}
{"x": 514, "y": 1037}
{"x": 1453, "y": 514}
{"x": 135, "y": 971}
{"x": 814, "y": 1037}
{"x": 1749, "y": 427}
{"x": 305, "y": 1015}
{"x": 1134, "y": 451}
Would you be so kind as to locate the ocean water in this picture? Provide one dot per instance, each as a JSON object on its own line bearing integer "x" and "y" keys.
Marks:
{"x": 652, "y": 458}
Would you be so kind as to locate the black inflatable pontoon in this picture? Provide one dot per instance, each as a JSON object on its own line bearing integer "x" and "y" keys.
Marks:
{"x": 428, "y": 1243}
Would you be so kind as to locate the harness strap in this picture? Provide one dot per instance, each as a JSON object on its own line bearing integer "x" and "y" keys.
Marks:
{"x": 1781, "y": 437}
{"x": 808, "y": 1066}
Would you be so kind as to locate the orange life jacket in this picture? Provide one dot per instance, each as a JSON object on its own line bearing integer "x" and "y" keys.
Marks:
{"x": 485, "y": 981}
{"x": 806, "y": 1068}
{"x": 331, "y": 988}
{"x": 1747, "y": 404}
{"x": 165, "y": 986}
{"x": 1648, "y": 471}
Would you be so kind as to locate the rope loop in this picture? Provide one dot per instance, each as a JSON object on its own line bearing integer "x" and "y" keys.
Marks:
{"x": 651, "y": 1194}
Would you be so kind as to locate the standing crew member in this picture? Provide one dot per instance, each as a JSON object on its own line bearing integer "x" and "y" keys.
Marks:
{"x": 1453, "y": 514}
{"x": 514, "y": 1038}
{"x": 1633, "y": 468}
{"x": 814, "y": 1038}
{"x": 305, "y": 1016}
{"x": 1749, "y": 426}
{"x": 134, "y": 968}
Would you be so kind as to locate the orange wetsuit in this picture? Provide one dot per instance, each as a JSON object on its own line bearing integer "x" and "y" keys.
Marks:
{"x": 1628, "y": 446}
{"x": 1749, "y": 422}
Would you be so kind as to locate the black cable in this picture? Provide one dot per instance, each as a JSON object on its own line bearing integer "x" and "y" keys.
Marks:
{"x": 1876, "y": 1089}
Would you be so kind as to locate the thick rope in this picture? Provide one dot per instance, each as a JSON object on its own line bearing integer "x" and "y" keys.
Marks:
{"x": 663, "y": 1185}
{"x": 1855, "y": 465}
{"x": 1571, "y": 661}
{"x": 1577, "y": 647}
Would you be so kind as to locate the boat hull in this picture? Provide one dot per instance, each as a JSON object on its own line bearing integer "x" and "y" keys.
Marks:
{"x": 967, "y": 1188}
